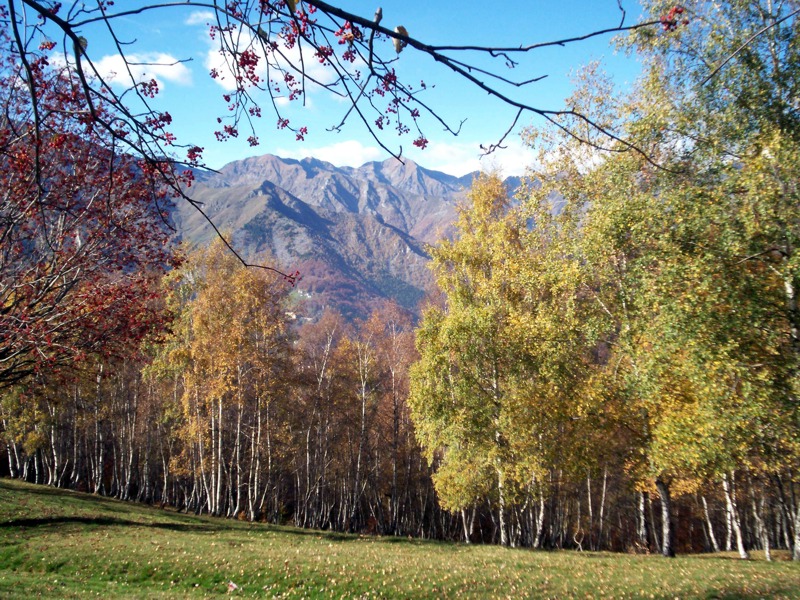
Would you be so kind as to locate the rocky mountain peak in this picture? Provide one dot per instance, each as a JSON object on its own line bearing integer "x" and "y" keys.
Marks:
{"x": 357, "y": 235}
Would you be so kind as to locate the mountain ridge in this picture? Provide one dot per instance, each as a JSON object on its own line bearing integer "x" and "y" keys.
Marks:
{"x": 358, "y": 235}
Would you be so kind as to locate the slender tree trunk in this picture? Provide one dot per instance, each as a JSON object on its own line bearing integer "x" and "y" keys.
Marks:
{"x": 11, "y": 448}
{"x": 602, "y": 508}
{"x": 237, "y": 453}
{"x": 395, "y": 452}
{"x": 730, "y": 502}
{"x": 537, "y": 540}
{"x": 54, "y": 445}
{"x": 206, "y": 478}
{"x": 794, "y": 321}
{"x": 74, "y": 476}
{"x": 212, "y": 471}
{"x": 786, "y": 515}
{"x": 501, "y": 508}
{"x": 709, "y": 527}
{"x": 133, "y": 412}
{"x": 270, "y": 482}
{"x": 653, "y": 528}
{"x": 757, "y": 506}
{"x": 99, "y": 438}
{"x": 220, "y": 460}
{"x": 728, "y": 531}
{"x": 255, "y": 465}
{"x": 796, "y": 545}
{"x": 667, "y": 530}
{"x": 465, "y": 525}
{"x": 590, "y": 510}
{"x": 364, "y": 365}
{"x": 642, "y": 528}
{"x": 13, "y": 458}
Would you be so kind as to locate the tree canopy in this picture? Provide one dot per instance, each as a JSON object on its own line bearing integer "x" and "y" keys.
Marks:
{"x": 83, "y": 231}
{"x": 678, "y": 264}
{"x": 618, "y": 339}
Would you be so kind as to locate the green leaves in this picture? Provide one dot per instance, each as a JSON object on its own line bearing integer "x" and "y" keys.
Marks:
{"x": 501, "y": 364}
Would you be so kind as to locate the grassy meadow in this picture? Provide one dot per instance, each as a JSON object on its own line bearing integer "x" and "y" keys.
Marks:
{"x": 62, "y": 544}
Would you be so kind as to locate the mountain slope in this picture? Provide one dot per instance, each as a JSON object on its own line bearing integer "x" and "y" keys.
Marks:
{"x": 357, "y": 235}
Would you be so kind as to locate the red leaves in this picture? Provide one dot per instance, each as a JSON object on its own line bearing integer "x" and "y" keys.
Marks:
{"x": 253, "y": 38}
{"x": 83, "y": 238}
{"x": 671, "y": 20}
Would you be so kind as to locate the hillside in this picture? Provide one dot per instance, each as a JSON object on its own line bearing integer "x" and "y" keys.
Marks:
{"x": 357, "y": 235}
{"x": 60, "y": 544}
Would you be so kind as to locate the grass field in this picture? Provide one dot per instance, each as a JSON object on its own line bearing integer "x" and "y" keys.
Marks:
{"x": 61, "y": 544}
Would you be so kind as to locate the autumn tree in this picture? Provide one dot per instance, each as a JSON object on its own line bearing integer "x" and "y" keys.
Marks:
{"x": 229, "y": 358}
{"x": 83, "y": 236}
{"x": 317, "y": 399}
{"x": 689, "y": 246}
{"x": 475, "y": 397}
{"x": 393, "y": 330}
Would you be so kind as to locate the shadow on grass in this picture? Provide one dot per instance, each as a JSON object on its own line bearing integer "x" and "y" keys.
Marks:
{"x": 154, "y": 517}
{"x": 191, "y": 527}
{"x": 107, "y": 522}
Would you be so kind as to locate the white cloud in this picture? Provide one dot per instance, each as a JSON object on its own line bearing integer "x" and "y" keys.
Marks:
{"x": 159, "y": 66}
{"x": 342, "y": 154}
{"x": 460, "y": 158}
{"x": 456, "y": 159}
{"x": 200, "y": 17}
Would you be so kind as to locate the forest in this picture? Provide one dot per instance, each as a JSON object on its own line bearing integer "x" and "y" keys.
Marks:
{"x": 609, "y": 359}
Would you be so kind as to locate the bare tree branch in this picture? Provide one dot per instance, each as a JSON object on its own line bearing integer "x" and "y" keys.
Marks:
{"x": 265, "y": 34}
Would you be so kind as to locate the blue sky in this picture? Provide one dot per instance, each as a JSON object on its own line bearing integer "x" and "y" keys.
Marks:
{"x": 195, "y": 100}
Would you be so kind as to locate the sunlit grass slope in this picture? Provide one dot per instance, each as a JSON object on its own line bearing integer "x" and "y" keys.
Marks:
{"x": 61, "y": 544}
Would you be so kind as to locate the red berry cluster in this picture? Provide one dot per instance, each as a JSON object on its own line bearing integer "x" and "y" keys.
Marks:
{"x": 149, "y": 88}
{"x": 348, "y": 33}
{"x": 194, "y": 154}
{"x": 323, "y": 53}
{"x": 672, "y": 19}
{"x": 421, "y": 142}
{"x": 248, "y": 63}
{"x": 228, "y": 131}
{"x": 158, "y": 120}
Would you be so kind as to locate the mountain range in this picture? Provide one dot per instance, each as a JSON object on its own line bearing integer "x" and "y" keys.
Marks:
{"x": 356, "y": 235}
